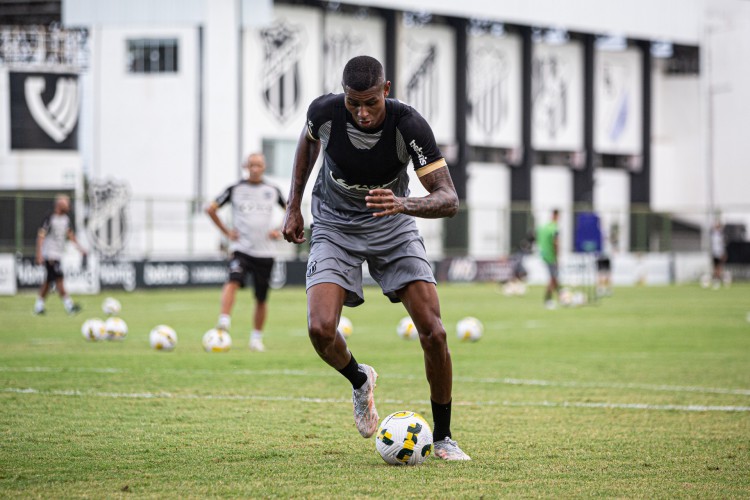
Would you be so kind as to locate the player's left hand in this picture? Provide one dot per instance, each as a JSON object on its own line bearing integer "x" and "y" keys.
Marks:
{"x": 385, "y": 201}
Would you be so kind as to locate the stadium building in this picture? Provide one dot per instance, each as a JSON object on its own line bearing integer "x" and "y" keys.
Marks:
{"x": 145, "y": 110}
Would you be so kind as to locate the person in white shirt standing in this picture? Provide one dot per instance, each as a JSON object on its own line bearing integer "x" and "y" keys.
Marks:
{"x": 55, "y": 230}
{"x": 251, "y": 242}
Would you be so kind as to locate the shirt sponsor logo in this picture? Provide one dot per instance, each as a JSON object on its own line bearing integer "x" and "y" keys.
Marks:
{"x": 362, "y": 187}
{"x": 418, "y": 150}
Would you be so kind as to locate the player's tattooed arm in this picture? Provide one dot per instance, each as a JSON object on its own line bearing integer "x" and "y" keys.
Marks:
{"x": 307, "y": 152}
{"x": 442, "y": 200}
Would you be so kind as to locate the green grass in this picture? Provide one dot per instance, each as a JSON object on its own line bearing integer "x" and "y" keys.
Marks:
{"x": 644, "y": 396}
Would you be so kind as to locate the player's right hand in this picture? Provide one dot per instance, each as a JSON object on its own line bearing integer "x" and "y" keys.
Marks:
{"x": 294, "y": 227}
{"x": 233, "y": 235}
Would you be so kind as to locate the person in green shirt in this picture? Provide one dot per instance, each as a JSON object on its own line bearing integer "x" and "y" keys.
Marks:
{"x": 547, "y": 239}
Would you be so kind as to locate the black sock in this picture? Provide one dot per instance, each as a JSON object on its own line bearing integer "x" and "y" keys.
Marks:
{"x": 354, "y": 374}
{"x": 441, "y": 414}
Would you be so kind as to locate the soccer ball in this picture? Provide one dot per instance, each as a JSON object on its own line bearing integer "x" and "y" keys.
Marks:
{"x": 469, "y": 328}
{"x": 404, "y": 438}
{"x": 163, "y": 338}
{"x": 345, "y": 326}
{"x": 93, "y": 329}
{"x": 111, "y": 306}
{"x": 566, "y": 297}
{"x": 116, "y": 328}
{"x": 216, "y": 340}
{"x": 406, "y": 329}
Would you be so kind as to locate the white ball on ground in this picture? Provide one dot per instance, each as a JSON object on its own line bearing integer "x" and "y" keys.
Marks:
{"x": 469, "y": 329}
{"x": 404, "y": 438}
{"x": 406, "y": 329}
{"x": 93, "y": 330}
{"x": 345, "y": 328}
{"x": 111, "y": 306}
{"x": 116, "y": 328}
{"x": 163, "y": 338}
{"x": 216, "y": 340}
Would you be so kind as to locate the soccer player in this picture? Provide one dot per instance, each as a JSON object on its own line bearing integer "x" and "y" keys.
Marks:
{"x": 251, "y": 242}
{"x": 547, "y": 239}
{"x": 50, "y": 246}
{"x": 362, "y": 211}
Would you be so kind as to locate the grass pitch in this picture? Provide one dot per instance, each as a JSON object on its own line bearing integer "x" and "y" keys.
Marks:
{"x": 646, "y": 395}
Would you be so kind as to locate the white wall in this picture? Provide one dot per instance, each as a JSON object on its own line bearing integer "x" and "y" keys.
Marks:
{"x": 727, "y": 42}
{"x": 612, "y": 203}
{"x": 146, "y": 124}
{"x": 678, "y": 180}
{"x": 678, "y": 20}
{"x": 552, "y": 187}
{"x": 488, "y": 199}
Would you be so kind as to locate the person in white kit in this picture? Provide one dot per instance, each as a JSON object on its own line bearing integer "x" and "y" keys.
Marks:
{"x": 251, "y": 242}
{"x": 55, "y": 230}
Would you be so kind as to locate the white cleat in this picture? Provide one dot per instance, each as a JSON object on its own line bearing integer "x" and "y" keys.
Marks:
{"x": 365, "y": 414}
{"x": 448, "y": 449}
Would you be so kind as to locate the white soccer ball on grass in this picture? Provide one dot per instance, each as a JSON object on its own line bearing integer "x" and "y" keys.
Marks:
{"x": 469, "y": 329}
{"x": 345, "y": 328}
{"x": 93, "y": 330}
{"x": 406, "y": 329}
{"x": 404, "y": 438}
{"x": 216, "y": 340}
{"x": 116, "y": 328}
{"x": 163, "y": 338}
{"x": 111, "y": 306}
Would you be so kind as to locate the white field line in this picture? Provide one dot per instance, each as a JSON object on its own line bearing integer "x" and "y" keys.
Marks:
{"x": 469, "y": 380}
{"x": 237, "y": 397}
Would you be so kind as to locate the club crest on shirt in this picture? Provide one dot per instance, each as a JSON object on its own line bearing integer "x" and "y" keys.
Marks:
{"x": 311, "y": 268}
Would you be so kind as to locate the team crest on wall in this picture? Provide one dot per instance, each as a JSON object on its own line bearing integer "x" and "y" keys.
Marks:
{"x": 425, "y": 76}
{"x": 282, "y": 69}
{"x": 617, "y": 94}
{"x": 347, "y": 36}
{"x": 494, "y": 91}
{"x": 107, "y": 221}
{"x": 44, "y": 110}
{"x": 282, "y": 43}
{"x": 557, "y": 97}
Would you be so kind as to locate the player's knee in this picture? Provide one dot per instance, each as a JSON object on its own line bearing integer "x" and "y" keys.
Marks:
{"x": 432, "y": 336}
{"x": 321, "y": 329}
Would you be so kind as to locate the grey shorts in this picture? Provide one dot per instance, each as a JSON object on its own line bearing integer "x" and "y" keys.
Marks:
{"x": 554, "y": 270}
{"x": 394, "y": 258}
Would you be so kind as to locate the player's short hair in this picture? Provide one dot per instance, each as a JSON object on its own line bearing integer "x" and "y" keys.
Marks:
{"x": 362, "y": 73}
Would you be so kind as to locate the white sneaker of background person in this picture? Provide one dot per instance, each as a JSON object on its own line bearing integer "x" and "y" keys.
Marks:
{"x": 256, "y": 341}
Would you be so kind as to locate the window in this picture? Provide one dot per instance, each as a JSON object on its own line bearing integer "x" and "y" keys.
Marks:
{"x": 152, "y": 55}
{"x": 279, "y": 155}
